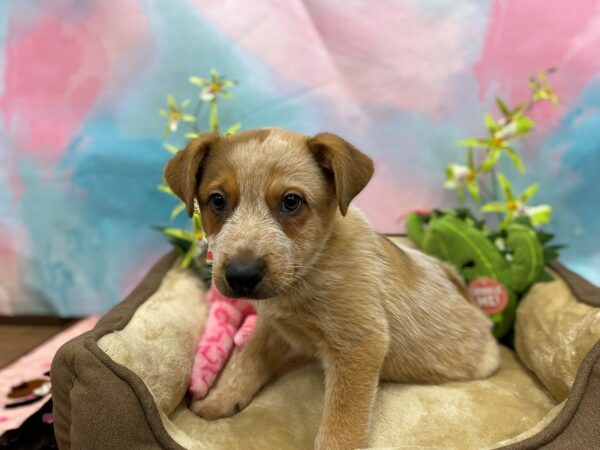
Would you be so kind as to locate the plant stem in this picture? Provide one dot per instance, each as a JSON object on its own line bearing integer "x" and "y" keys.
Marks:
{"x": 493, "y": 185}
{"x": 484, "y": 190}
{"x": 529, "y": 105}
{"x": 197, "y": 115}
{"x": 213, "y": 116}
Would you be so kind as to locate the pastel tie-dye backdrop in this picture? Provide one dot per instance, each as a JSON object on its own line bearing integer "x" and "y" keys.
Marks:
{"x": 80, "y": 138}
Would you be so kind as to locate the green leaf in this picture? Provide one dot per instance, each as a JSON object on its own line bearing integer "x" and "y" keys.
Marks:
{"x": 491, "y": 159}
{"x": 494, "y": 207}
{"x": 515, "y": 158}
{"x": 171, "y": 148}
{"x": 490, "y": 122}
{"x": 413, "y": 224}
{"x": 473, "y": 188}
{"x": 450, "y": 171}
{"x": 550, "y": 256}
{"x": 197, "y": 222}
{"x": 545, "y": 277}
{"x": 164, "y": 113}
{"x": 451, "y": 182}
{"x": 179, "y": 234}
{"x": 555, "y": 247}
{"x": 527, "y": 256}
{"x": 523, "y": 124}
{"x": 544, "y": 236}
{"x": 233, "y": 129}
{"x": 201, "y": 82}
{"x": 496, "y": 318}
{"x": 529, "y": 192}
{"x": 227, "y": 83}
{"x": 226, "y": 95}
{"x": 171, "y": 102}
{"x": 518, "y": 109}
{"x": 166, "y": 189}
{"x": 177, "y": 210}
{"x": 540, "y": 214}
{"x": 505, "y": 186}
{"x": 191, "y": 135}
{"x": 524, "y": 220}
{"x": 551, "y": 252}
{"x": 472, "y": 142}
{"x": 506, "y": 221}
{"x": 179, "y": 244}
{"x": 188, "y": 118}
{"x": 185, "y": 103}
{"x": 503, "y": 108}
{"x": 189, "y": 256}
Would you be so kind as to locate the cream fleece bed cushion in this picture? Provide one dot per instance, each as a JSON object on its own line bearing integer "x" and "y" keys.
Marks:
{"x": 554, "y": 332}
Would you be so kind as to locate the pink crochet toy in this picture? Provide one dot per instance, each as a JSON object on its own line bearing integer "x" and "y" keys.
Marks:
{"x": 230, "y": 322}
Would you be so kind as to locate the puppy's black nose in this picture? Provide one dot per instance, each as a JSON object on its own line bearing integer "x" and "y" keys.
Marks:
{"x": 243, "y": 274}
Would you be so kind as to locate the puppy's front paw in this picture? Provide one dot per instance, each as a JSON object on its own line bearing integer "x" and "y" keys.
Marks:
{"x": 217, "y": 405}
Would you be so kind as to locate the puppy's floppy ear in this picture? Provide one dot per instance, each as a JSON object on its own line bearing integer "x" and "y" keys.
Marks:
{"x": 351, "y": 169}
{"x": 182, "y": 171}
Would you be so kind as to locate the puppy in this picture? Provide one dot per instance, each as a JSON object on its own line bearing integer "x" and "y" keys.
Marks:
{"x": 275, "y": 208}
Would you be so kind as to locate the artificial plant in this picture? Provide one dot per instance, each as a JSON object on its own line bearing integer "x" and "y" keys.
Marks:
{"x": 190, "y": 241}
{"x": 481, "y": 176}
{"x": 506, "y": 244}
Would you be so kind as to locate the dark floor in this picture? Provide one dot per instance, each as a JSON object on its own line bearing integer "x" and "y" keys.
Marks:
{"x": 19, "y": 336}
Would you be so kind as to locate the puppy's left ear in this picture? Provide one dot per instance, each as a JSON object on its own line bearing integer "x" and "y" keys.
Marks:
{"x": 182, "y": 172}
{"x": 351, "y": 169}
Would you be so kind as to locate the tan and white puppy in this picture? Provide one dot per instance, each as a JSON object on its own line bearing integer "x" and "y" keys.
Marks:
{"x": 275, "y": 207}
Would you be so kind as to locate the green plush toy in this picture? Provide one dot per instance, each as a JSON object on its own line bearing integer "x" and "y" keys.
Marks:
{"x": 462, "y": 242}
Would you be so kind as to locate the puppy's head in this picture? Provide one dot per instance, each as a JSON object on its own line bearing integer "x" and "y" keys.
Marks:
{"x": 267, "y": 199}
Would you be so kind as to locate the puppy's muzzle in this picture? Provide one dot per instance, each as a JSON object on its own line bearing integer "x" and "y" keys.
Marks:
{"x": 244, "y": 273}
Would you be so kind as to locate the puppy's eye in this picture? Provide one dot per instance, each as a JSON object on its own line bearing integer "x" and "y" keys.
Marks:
{"x": 217, "y": 202}
{"x": 291, "y": 203}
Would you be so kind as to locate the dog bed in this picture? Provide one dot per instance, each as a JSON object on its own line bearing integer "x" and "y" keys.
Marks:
{"x": 123, "y": 384}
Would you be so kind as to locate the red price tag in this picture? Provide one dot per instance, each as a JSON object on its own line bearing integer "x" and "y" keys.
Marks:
{"x": 489, "y": 294}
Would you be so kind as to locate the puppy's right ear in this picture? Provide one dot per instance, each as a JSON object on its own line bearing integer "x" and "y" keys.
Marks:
{"x": 182, "y": 171}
